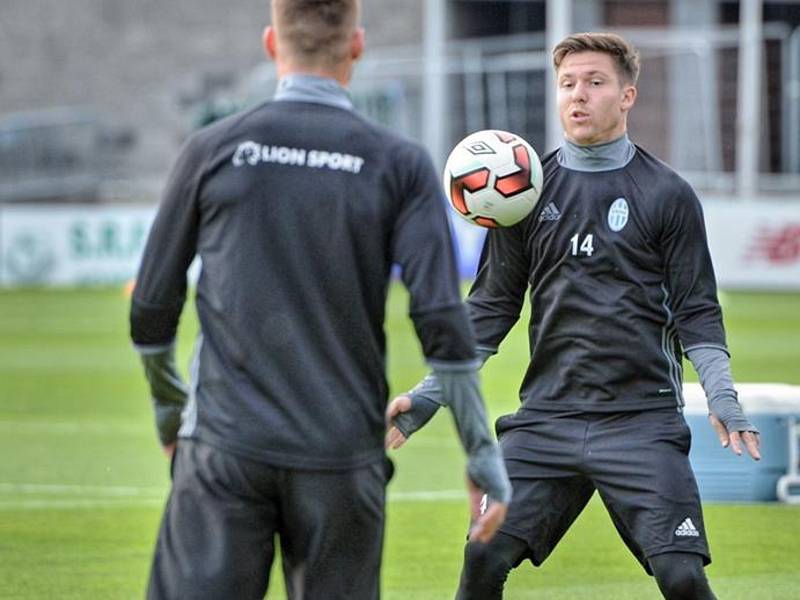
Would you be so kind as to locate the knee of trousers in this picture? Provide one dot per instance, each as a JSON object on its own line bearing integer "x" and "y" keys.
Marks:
{"x": 685, "y": 586}
{"x": 682, "y": 579}
{"x": 486, "y": 563}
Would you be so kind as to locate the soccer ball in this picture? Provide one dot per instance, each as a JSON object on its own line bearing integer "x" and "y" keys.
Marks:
{"x": 493, "y": 178}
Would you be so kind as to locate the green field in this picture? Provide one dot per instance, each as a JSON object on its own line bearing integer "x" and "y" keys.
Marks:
{"x": 82, "y": 479}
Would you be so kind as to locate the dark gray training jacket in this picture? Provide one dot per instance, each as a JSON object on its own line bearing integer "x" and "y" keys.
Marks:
{"x": 298, "y": 210}
{"x": 621, "y": 284}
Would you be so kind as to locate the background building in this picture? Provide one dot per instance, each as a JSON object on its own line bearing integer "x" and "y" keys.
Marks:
{"x": 129, "y": 79}
{"x": 96, "y": 97}
{"x": 115, "y": 86}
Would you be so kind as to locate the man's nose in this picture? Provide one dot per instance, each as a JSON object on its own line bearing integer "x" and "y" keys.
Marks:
{"x": 579, "y": 92}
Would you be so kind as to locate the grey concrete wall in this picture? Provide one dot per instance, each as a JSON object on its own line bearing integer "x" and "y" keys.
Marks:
{"x": 133, "y": 60}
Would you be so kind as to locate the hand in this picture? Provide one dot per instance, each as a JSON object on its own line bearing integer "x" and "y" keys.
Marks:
{"x": 394, "y": 437}
{"x": 169, "y": 449}
{"x": 734, "y": 439}
{"x": 486, "y": 522}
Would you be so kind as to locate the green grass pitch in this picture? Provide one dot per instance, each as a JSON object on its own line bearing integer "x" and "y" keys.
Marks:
{"x": 82, "y": 479}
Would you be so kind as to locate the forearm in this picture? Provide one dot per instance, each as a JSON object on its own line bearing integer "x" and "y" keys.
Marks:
{"x": 461, "y": 392}
{"x": 714, "y": 370}
{"x": 168, "y": 391}
{"x": 426, "y": 399}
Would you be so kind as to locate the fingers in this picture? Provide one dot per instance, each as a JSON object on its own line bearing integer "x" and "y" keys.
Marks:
{"x": 476, "y": 499}
{"x": 169, "y": 449}
{"x": 750, "y": 440}
{"x": 735, "y": 439}
{"x": 399, "y": 405}
{"x": 486, "y": 516}
{"x": 736, "y": 442}
{"x": 752, "y": 443}
{"x": 488, "y": 523}
{"x": 394, "y": 439}
{"x": 722, "y": 433}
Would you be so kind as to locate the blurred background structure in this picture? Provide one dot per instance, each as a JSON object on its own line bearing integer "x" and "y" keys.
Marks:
{"x": 96, "y": 96}
{"x": 106, "y": 89}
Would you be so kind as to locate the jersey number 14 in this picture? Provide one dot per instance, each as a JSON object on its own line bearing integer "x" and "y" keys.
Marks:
{"x": 584, "y": 247}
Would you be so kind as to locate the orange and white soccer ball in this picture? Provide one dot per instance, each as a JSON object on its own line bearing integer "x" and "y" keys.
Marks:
{"x": 493, "y": 178}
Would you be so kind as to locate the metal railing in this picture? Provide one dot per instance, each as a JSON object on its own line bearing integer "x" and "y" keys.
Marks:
{"x": 497, "y": 82}
{"x": 500, "y": 83}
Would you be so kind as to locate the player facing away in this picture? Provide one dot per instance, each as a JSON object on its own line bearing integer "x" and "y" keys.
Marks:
{"x": 621, "y": 287}
{"x": 298, "y": 209}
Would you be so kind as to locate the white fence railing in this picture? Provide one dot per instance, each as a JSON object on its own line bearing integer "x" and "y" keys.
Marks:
{"x": 686, "y": 112}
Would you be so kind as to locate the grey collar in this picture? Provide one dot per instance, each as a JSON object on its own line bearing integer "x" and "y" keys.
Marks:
{"x": 313, "y": 88}
{"x": 600, "y": 157}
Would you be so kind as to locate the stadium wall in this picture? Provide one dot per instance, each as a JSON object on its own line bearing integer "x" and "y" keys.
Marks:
{"x": 755, "y": 245}
{"x": 148, "y": 64}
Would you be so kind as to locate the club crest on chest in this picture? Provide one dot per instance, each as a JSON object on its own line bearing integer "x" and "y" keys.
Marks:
{"x": 618, "y": 214}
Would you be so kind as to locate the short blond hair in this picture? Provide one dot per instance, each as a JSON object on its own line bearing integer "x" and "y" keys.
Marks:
{"x": 316, "y": 31}
{"x": 625, "y": 55}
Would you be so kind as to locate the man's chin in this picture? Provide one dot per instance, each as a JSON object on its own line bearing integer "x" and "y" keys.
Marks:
{"x": 582, "y": 139}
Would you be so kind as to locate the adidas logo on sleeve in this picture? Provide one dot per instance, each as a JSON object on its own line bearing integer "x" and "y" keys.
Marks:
{"x": 687, "y": 529}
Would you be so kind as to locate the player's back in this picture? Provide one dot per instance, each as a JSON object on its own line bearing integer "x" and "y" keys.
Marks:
{"x": 298, "y": 207}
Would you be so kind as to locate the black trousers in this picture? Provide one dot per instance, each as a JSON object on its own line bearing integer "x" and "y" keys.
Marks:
{"x": 224, "y": 513}
{"x": 638, "y": 462}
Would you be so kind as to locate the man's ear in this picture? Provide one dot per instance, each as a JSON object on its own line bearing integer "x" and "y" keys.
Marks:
{"x": 629, "y": 93}
{"x": 357, "y": 43}
{"x": 269, "y": 42}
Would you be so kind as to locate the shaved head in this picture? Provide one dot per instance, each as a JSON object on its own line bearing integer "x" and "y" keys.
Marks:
{"x": 316, "y": 32}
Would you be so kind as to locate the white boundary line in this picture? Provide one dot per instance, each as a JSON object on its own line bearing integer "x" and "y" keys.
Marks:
{"x": 427, "y": 496}
{"x": 109, "y": 491}
{"x": 56, "y": 495}
{"x": 35, "y": 427}
{"x": 75, "y": 503}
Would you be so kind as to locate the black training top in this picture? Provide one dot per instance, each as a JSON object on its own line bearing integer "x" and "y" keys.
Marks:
{"x": 298, "y": 211}
{"x": 620, "y": 277}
